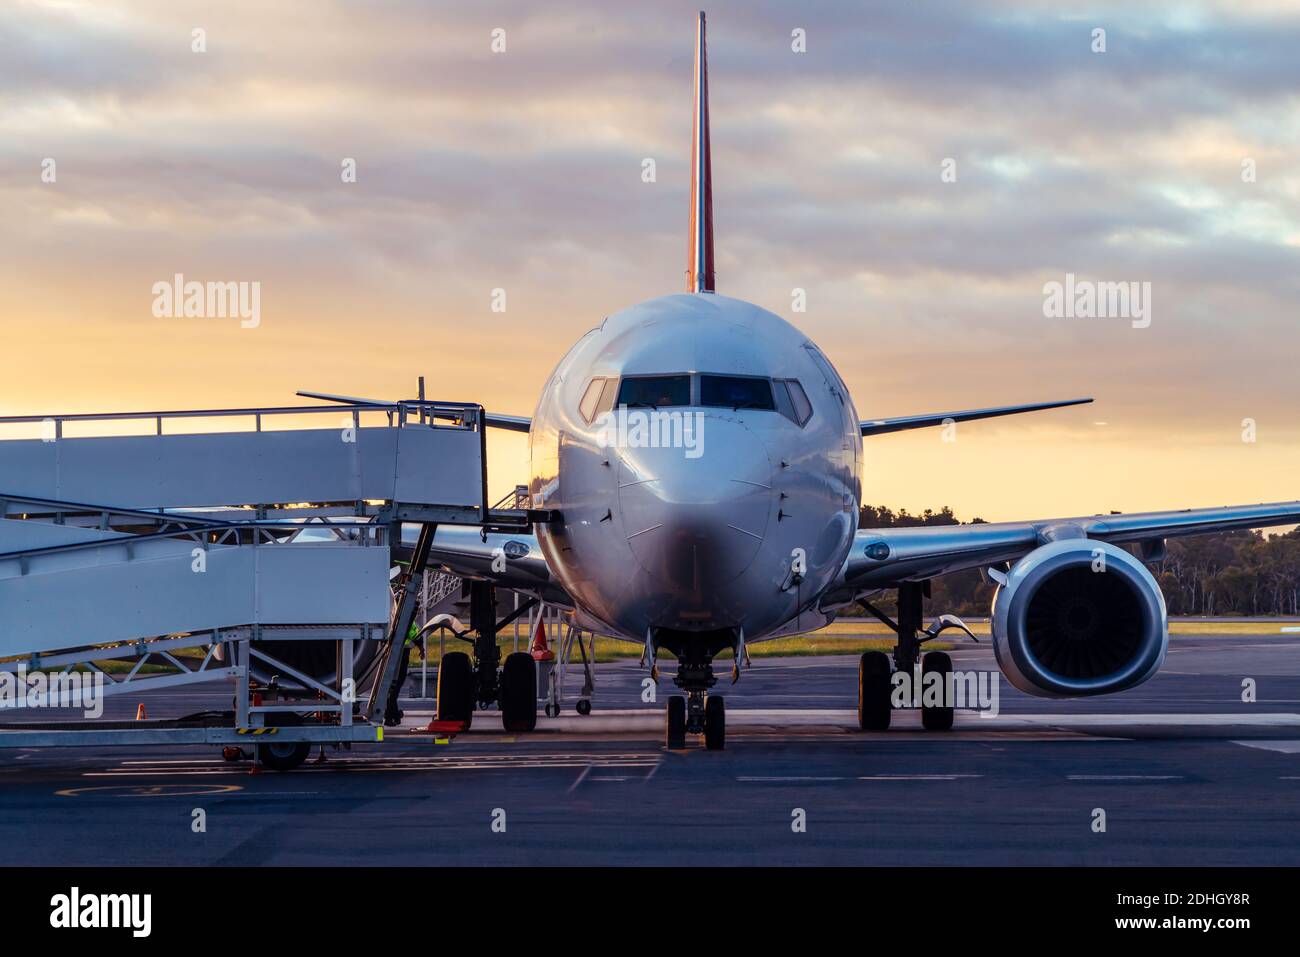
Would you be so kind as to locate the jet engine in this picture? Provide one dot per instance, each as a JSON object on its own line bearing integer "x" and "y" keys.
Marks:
{"x": 1079, "y": 617}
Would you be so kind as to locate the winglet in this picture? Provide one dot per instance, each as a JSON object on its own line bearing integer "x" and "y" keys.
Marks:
{"x": 699, "y": 264}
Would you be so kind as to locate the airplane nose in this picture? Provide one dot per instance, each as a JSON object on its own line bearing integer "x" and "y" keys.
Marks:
{"x": 695, "y": 517}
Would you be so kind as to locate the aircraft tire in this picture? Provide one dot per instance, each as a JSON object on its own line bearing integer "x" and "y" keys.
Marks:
{"x": 874, "y": 690}
{"x": 935, "y": 718}
{"x": 675, "y": 723}
{"x": 456, "y": 688}
{"x": 519, "y": 693}
{"x": 715, "y": 723}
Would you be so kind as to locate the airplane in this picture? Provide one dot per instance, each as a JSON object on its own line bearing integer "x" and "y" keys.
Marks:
{"x": 742, "y": 526}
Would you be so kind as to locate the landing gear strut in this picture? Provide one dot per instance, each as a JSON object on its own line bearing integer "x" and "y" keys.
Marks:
{"x": 487, "y": 656}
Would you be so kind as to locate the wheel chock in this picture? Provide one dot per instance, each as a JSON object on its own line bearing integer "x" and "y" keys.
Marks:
{"x": 443, "y": 727}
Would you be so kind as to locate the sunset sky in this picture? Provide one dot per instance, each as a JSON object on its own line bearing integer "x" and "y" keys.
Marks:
{"x": 522, "y": 170}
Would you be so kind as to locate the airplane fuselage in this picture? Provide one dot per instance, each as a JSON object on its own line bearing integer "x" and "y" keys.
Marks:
{"x": 703, "y": 455}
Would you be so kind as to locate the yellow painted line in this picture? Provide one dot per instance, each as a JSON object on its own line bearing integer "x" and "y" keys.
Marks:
{"x": 153, "y": 790}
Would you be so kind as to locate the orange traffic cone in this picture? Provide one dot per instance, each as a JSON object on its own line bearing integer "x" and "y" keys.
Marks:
{"x": 540, "y": 650}
{"x": 139, "y": 712}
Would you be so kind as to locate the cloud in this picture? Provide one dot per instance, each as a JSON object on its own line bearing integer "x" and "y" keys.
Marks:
{"x": 523, "y": 171}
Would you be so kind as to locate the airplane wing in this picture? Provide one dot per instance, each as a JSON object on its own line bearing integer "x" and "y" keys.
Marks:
{"x": 514, "y": 423}
{"x": 508, "y": 559}
{"x": 883, "y": 557}
{"x": 902, "y": 423}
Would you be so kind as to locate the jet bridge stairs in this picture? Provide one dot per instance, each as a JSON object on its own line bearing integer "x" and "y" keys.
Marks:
{"x": 227, "y": 545}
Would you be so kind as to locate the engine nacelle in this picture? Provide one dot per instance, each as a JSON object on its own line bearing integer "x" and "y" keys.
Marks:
{"x": 1064, "y": 627}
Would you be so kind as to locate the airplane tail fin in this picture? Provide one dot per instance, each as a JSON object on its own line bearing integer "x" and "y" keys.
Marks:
{"x": 699, "y": 265}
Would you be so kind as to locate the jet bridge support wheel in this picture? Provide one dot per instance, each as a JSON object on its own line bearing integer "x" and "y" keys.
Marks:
{"x": 282, "y": 755}
{"x": 874, "y": 691}
{"x": 938, "y": 718}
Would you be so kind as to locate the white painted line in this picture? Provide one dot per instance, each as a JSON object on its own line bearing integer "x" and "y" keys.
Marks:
{"x": 1291, "y": 627}
{"x": 768, "y": 779}
{"x": 144, "y": 772}
{"x": 1282, "y": 747}
{"x": 1275, "y": 719}
{"x": 783, "y": 719}
{"x": 917, "y": 777}
{"x": 581, "y": 777}
{"x": 1124, "y": 777}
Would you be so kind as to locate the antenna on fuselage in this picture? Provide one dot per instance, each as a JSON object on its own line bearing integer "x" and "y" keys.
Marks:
{"x": 699, "y": 263}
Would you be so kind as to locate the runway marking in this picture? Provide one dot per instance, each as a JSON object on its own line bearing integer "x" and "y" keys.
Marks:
{"x": 581, "y": 777}
{"x": 430, "y": 758}
{"x": 917, "y": 777}
{"x": 416, "y": 763}
{"x": 772, "y": 778}
{"x": 586, "y": 774}
{"x": 1124, "y": 777}
{"x": 156, "y": 790}
{"x": 1282, "y": 747}
{"x": 1275, "y": 719}
{"x": 461, "y": 766}
{"x": 795, "y": 720}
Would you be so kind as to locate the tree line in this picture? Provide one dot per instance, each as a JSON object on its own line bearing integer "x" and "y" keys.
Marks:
{"x": 1225, "y": 573}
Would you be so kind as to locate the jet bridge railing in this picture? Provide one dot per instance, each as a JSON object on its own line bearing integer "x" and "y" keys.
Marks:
{"x": 424, "y": 453}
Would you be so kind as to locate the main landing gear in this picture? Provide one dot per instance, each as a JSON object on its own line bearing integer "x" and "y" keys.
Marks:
{"x": 465, "y": 683}
{"x": 875, "y": 674}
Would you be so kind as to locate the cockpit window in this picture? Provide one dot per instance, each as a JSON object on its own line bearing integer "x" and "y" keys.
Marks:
{"x": 792, "y": 401}
{"x": 736, "y": 392}
{"x": 655, "y": 391}
{"x": 591, "y": 399}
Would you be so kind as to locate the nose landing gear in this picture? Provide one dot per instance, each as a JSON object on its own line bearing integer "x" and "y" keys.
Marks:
{"x": 696, "y": 712}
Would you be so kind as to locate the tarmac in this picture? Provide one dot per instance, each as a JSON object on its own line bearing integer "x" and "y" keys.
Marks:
{"x": 1180, "y": 771}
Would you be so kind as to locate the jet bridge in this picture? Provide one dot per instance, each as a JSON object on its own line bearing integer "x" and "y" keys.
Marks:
{"x": 214, "y": 542}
